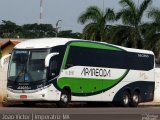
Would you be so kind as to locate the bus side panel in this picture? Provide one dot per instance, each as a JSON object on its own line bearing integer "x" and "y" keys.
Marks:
{"x": 141, "y": 80}
{"x": 138, "y": 64}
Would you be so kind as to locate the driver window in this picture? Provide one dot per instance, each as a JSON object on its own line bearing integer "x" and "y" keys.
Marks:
{"x": 53, "y": 67}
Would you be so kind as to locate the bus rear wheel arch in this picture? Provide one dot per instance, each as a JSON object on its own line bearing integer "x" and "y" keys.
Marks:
{"x": 65, "y": 98}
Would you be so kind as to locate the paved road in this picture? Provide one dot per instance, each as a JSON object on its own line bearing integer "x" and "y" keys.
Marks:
{"x": 50, "y": 112}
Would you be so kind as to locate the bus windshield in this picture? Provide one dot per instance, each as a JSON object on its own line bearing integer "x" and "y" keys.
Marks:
{"x": 27, "y": 66}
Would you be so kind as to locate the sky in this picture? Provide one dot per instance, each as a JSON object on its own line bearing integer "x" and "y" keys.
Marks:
{"x": 27, "y": 11}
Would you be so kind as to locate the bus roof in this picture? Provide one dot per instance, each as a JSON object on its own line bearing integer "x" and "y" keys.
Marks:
{"x": 42, "y": 43}
{"x": 52, "y": 42}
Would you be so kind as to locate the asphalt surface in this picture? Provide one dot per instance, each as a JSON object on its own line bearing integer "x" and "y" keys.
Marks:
{"x": 78, "y": 112}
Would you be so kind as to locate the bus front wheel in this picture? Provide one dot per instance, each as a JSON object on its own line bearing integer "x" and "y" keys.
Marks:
{"x": 64, "y": 99}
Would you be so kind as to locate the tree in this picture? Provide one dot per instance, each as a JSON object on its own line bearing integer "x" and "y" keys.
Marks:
{"x": 152, "y": 32}
{"x": 9, "y": 29}
{"x": 131, "y": 16}
{"x": 69, "y": 34}
{"x": 38, "y": 30}
{"x": 96, "y": 21}
{"x": 121, "y": 35}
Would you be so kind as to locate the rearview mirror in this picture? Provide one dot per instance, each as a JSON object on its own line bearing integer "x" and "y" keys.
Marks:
{"x": 48, "y": 57}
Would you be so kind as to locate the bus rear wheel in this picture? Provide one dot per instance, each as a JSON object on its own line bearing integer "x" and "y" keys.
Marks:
{"x": 64, "y": 99}
{"x": 135, "y": 99}
{"x": 125, "y": 101}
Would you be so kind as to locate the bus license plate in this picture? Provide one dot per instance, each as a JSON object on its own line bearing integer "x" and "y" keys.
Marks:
{"x": 23, "y": 96}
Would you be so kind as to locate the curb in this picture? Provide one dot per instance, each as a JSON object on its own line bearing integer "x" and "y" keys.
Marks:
{"x": 154, "y": 103}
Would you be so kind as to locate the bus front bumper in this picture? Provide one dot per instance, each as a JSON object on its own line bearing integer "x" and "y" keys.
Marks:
{"x": 46, "y": 94}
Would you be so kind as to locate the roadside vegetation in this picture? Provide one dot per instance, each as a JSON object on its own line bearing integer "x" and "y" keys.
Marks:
{"x": 9, "y": 29}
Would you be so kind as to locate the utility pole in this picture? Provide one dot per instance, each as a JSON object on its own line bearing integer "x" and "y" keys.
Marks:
{"x": 41, "y": 12}
{"x": 57, "y": 27}
{"x": 138, "y": 3}
{"x": 103, "y": 5}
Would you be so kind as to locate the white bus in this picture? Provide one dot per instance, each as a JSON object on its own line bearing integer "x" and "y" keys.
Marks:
{"x": 65, "y": 70}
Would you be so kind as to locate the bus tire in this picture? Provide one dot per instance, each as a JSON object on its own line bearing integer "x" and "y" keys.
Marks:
{"x": 125, "y": 100}
{"x": 135, "y": 99}
{"x": 64, "y": 99}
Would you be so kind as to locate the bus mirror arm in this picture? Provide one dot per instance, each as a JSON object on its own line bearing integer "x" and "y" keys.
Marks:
{"x": 48, "y": 57}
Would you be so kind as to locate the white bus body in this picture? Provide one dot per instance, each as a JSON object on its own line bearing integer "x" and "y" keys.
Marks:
{"x": 64, "y": 70}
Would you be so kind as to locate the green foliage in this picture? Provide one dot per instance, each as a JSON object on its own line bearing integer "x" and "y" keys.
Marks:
{"x": 37, "y": 30}
{"x": 129, "y": 34}
{"x": 122, "y": 35}
{"x": 69, "y": 34}
{"x": 9, "y": 29}
{"x": 152, "y": 32}
{"x": 131, "y": 16}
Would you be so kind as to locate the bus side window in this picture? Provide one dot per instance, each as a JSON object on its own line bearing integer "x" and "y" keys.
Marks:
{"x": 69, "y": 63}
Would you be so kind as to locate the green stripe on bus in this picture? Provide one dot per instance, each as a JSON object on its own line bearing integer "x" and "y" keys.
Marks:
{"x": 88, "y": 85}
{"x": 65, "y": 58}
{"x": 94, "y": 45}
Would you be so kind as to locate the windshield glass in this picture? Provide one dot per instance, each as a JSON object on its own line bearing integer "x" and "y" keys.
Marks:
{"x": 27, "y": 65}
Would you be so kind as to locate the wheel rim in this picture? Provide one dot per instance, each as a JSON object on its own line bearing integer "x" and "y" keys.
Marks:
{"x": 125, "y": 99}
{"x": 135, "y": 98}
{"x": 64, "y": 98}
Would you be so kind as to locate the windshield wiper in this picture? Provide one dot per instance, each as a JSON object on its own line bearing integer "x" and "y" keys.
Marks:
{"x": 21, "y": 73}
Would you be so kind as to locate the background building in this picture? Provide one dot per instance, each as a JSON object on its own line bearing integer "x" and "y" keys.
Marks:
{"x": 8, "y": 45}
